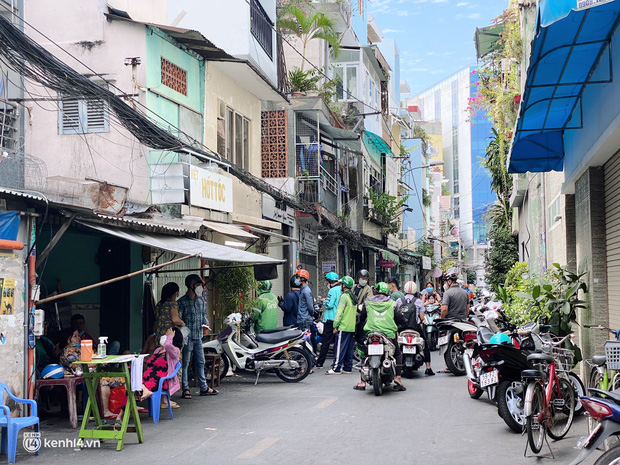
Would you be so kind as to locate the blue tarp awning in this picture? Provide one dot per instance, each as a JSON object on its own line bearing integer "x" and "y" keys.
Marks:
{"x": 569, "y": 46}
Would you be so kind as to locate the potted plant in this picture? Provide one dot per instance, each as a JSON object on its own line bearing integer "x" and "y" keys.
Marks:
{"x": 302, "y": 81}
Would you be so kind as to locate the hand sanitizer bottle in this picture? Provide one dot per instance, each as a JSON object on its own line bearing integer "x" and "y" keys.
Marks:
{"x": 101, "y": 348}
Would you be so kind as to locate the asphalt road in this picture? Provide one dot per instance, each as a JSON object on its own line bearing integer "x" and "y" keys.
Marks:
{"x": 320, "y": 420}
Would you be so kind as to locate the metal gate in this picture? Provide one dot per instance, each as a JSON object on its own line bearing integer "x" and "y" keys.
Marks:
{"x": 612, "y": 227}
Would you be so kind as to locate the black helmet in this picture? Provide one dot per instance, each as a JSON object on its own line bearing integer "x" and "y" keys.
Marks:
{"x": 450, "y": 276}
{"x": 363, "y": 273}
{"x": 191, "y": 279}
{"x": 292, "y": 282}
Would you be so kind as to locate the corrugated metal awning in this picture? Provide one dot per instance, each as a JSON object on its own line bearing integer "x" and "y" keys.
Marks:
{"x": 229, "y": 229}
{"x": 186, "y": 246}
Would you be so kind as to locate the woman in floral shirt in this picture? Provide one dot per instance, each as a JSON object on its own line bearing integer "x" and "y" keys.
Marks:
{"x": 167, "y": 311}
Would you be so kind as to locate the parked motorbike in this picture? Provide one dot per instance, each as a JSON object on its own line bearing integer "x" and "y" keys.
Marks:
{"x": 431, "y": 314}
{"x": 453, "y": 334}
{"x": 604, "y": 407}
{"x": 281, "y": 351}
{"x": 412, "y": 347}
{"x": 379, "y": 366}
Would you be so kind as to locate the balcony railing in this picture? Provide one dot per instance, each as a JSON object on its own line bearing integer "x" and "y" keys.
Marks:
{"x": 8, "y": 127}
{"x": 261, "y": 27}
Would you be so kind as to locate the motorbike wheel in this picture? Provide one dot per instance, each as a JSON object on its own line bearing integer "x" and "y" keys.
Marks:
{"x": 580, "y": 390}
{"x": 534, "y": 426}
{"x": 224, "y": 366}
{"x": 611, "y": 457}
{"x": 377, "y": 384}
{"x": 454, "y": 359}
{"x": 409, "y": 372}
{"x": 510, "y": 405}
{"x": 474, "y": 391}
{"x": 293, "y": 375}
{"x": 562, "y": 417}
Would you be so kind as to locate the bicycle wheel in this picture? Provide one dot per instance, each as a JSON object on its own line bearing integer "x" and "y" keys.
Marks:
{"x": 534, "y": 425}
{"x": 562, "y": 409}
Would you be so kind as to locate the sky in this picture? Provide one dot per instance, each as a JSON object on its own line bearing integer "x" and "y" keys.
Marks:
{"x": 434, "y": 37}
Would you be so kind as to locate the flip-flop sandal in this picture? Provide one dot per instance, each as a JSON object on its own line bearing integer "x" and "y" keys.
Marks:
{"x": 399, "y": 387}
{"x": 186, "y": 394}
{"x": 209, "y": 392}
{"x": 359, "y": 388}
{"x": 118, "y": 423}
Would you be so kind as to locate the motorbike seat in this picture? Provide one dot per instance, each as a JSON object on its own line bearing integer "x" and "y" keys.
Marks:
{"x": 530, "y": 374}
{"x": 538, "y": 357}
{"x": 274, "y": 338}
{"x": 599, "y": 360}
{"x": 607, "y": 394}
{"x": 277, "y": 330}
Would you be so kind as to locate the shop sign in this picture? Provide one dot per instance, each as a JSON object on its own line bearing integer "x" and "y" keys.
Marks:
{"x": 272, "y": 211}
{"x": 328, "y": 267}
{"x": 7, "y": 297}
{"x": 426, "y": 263}
{"x": 309, "y": 241}
{"x": 210, "y": 190}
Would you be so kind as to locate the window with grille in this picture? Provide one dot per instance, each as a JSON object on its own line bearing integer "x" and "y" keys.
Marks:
{"x": 274, "y": 147}
{"x": 261, "y": 27}
{"x": 82, "y": 116}
{"x": 233, "y": 136}
{"x": 173, "y": 76}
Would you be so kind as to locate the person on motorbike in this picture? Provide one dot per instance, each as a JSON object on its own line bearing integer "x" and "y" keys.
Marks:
{"x": 330, "y": 304}
{"x": 344, "y": 328}
{"x": 455, "y": 303}
{"x": 413, "y": 310}
{"x": 265, "y": 311}
{"x": 430, "y": 296}
{"x": 382, "y": 315}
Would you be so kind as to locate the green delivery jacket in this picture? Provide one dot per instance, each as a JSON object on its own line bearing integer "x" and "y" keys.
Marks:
{"x": 266, "y": 312}
{"x": 346, "y": 313}
{"x": 382, "y": 315}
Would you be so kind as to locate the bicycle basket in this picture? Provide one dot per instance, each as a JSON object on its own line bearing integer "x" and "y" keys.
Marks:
{"x": 612, "y": 353}
{"x": 563, "y": 358}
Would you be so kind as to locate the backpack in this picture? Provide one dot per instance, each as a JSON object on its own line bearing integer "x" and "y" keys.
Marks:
{"x": 410, "y": 312}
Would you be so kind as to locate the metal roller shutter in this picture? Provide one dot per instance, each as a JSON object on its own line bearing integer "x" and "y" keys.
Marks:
{"x": 279, "y": 289}
{"x": 612, "y": 226}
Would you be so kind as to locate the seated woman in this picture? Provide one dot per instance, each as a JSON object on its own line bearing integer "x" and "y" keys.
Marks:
{"x": 162, "y": 363}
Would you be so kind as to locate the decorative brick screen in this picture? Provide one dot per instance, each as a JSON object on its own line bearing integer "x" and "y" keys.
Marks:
{"x": 274, "y": 145}
{"x": 173, "y": 76}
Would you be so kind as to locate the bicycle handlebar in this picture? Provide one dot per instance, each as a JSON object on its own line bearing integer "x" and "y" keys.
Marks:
{"x": 546, "y": 342}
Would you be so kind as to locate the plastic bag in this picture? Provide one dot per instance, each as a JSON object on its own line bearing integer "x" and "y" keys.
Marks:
{"x": 118, "y": 399}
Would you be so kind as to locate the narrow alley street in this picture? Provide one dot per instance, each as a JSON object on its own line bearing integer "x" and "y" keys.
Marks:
{"x": 322, "y": 420}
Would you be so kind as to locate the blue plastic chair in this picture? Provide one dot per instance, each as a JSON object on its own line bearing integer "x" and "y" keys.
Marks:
{"x": 155, "y": 400}
{"x": 11, "y": 426}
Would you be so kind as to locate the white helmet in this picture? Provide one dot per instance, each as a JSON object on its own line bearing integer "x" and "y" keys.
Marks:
{"x": 410, "y": 287}
{"x": 233, "y": 320}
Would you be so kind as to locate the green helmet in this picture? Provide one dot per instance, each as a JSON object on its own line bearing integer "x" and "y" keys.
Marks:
{"x": 264, "y": 286}
{"x": 347, "y": 281}
{"x": 382, "y": 288}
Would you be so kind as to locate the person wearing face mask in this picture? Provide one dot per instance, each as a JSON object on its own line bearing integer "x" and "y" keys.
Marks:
{"x": 193, "y": 312}
{"x": 290, "y": 304}
{"x": 265, "y": 311}
{"x": 430, "y": 296}
{"x": 363, "y": 291}
{"x": 167, "y": 311}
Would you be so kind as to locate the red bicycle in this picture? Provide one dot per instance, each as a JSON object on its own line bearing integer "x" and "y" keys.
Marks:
{"x": 549, "y": 395}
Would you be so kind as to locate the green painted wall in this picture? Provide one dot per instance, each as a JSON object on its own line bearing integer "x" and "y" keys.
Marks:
{"x": 159, "y": 45}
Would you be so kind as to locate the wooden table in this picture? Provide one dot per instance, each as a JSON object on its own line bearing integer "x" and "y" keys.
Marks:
{"x": 104, "y": 368}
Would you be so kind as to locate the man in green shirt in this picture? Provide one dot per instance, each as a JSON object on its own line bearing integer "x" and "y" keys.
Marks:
{"x": 266, "y": 309}
{"x": 382, "y": 315}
